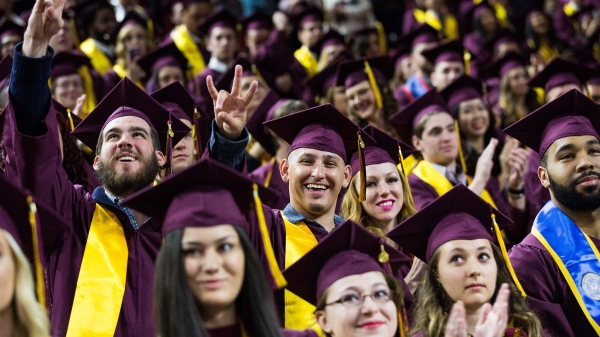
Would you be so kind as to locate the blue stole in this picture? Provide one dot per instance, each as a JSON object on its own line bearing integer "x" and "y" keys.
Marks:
{"x": 576, "y": 256}
{"x": 417, "y": 86}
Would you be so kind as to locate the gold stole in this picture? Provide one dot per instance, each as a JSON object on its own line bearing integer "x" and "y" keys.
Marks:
{"x": 299, "y": 314}
{"x": 100, "y": 62}
{"x": 426, "y": 172}
{"x": 101, "y": 281}
{"x": 88, "y": 88}
{"x": 186, "y": 45}
{"x": 548, "y": 53}
{"x": 449, "y": 27}
{"x": 120, "y": 70}
{"x": 307, "y": 60}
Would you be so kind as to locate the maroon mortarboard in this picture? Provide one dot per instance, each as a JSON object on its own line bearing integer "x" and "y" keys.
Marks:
{"x": 73, "y": 119}
{"x": 17, "y": 208}
{"x": 406, "y": 119}
{"x": 309, "y": 14}
{"x": 422, "y": 34}
{"x": 459, "y": 214}
{"x": 462, "y": 89}
{"x": 346, "y": 251}
{"x": 176, "y": 99}
{"x": 167, "y": 55}
{"x": 264, "y": 112}
{"x": 504, "y": 36}
{"x": 127, "y": 99}
{"x": 571, "y": 114}
{"x": 330, "y": 38}
{"x": 223, "y": 18}
{"x": 322, "y": 128}
{"x": 258, "y": 20}
{"x": 450, "y": 52}
{"x": 206, "y": 194}
{"x": 351, "y": 73}
{"x": 560, "y": 72}
{"x": 5, "y": 69}
{"x": 225, "y": 81}
{"x": 131, "y": 18}
{"x": 66, "y": 63}
{"x": 508, "y": 62}
{"x": 387, "y": 150}
{"x": 322, "y": 81}
{"x": 9, "y": 27}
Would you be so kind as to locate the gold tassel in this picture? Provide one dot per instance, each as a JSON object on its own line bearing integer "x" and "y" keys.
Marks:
{"x": 505, "y": 255}
{"x": 460, "y": 151}
{"x": 405, "y": 178}
{"x": 374, "y": 87}
{"x": 381, "y": 38}
{"x": 39, "y": 271}
{"x": 170, "y": 135}
{"x": 75, "y": 32}
{"x": 70, "y": 119}
{"x": 362, "y": 195}
{"x": 256, "y": 72}
{"x": 270, "y": 173}
{"x": 467, "y": 58}
{"x": 273, "y": 265}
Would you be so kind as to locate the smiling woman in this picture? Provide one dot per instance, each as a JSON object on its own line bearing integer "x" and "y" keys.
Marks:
{"x": 209, "y": 280}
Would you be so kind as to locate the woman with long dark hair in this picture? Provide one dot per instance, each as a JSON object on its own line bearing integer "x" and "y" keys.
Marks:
{"x": 209, "y": 280}
{"x": 466, "y": 270}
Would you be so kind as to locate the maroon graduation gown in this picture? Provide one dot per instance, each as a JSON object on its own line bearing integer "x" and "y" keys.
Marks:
{"x": 200, "y": 81}
{"x": 537, "y": 196}
{"x": 277, "y": 185}
{"x": 547, "y": 290}
{"x": 41, "y": 172}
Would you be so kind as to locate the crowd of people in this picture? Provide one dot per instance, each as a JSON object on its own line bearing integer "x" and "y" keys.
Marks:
{"x": 300, "y": 168}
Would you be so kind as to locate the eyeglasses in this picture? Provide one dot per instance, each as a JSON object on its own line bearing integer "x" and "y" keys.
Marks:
{"x": 354, "y": 300}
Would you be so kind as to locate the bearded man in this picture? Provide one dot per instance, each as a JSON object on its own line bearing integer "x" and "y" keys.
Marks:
{"x": 558, "y": 263}
{"x": 100, "y": 277}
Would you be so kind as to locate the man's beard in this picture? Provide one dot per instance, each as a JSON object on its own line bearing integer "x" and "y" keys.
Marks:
{"x": 125, "y": 183}
{"x": 568, "y": 196}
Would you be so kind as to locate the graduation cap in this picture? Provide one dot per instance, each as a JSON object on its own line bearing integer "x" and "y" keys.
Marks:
{"x": 206, "y": 194}
{"x": 258, "y": 20}
{"x": 459, "y": 214}
{"x": 127, "y": 99}
{"x": 66, "y": 63}
{"x": 330, "y": 38}
{"x": 309, "y": 14}
{"x": 406, "y": 119}
{"x": 560, "y": 72}
{"x": 32, "y": 224}
{"x": 322, "y": 81}
{"x": 504, "y": 36}
{"x": 264, "y": 112}
{"x": 387, "y": 150}
{"x": 223, "y": 18}
{"x": 350, "y": 73}
{"x": 462, "y": 89}
{"x": 346, "y": 251}
{"x": 450, "y": 52}
{"x": 422, "y": 34}
{"x": 131, "y": 18}
{"x": 9, "y": 27}
{"x": 73, "y": 119}
{"x": 167, "y": 55}
{"x": 321, "y": 128}
{"x": 571, "y": 114}
{"x": 176, "y": 99}
{"x": 507, "y": 63}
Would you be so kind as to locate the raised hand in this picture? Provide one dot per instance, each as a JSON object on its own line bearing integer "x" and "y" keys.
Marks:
{"x": 78, "y": 109}
{"x": 231, "y": 109}
{"x": 457, "y": 322}
{"x": 483, "y": 170}
{"x": 494, "y": 320}
{"x": 517, "y": 161}
{"x": 45, "y": 21}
